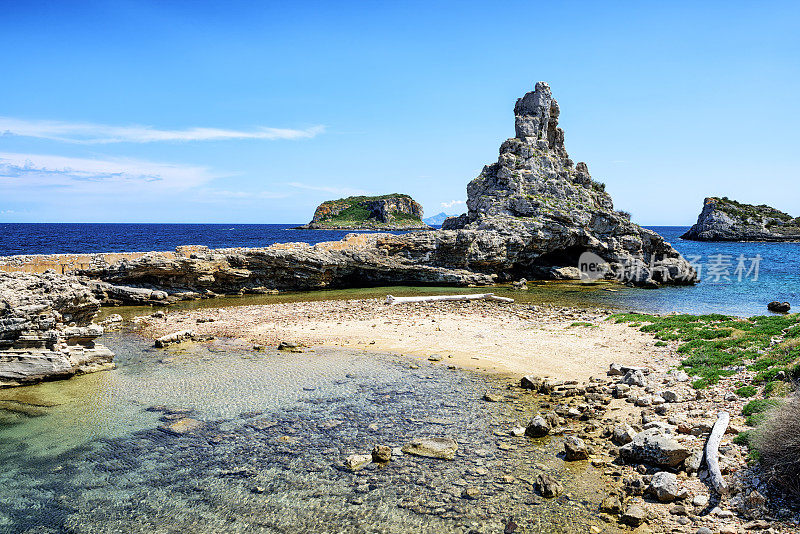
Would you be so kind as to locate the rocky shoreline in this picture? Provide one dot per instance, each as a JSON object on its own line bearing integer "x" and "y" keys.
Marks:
{"x": 643, "y": 426}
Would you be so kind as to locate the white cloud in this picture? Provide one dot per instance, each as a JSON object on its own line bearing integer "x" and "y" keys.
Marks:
{"x": 217, "y": 195}
{"x": 88, "y": 133}
{"x": 452, "y": 204}
{"x": 331, "y": 190}
{"x": 29, "y": 171}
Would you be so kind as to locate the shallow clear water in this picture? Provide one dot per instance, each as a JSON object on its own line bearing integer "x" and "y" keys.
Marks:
{"x": 86, "y": 456}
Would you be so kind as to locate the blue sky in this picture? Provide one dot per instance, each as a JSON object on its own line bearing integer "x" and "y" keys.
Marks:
{"x": 256, "y": 111}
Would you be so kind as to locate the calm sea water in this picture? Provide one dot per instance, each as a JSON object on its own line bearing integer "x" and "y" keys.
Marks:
{"x": 768, "y": 271}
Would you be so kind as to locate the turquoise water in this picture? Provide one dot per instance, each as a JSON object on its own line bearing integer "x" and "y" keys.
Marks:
{"x": 86, "y": 456}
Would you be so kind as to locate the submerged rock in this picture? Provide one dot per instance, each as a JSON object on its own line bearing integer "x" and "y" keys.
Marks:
{"x": 548, "y": 487}
{"x": 356, "y": 462}
{"x": 442, "y": 448}
{"x": 538, "y": 427}
{"x": 185, "y": 425}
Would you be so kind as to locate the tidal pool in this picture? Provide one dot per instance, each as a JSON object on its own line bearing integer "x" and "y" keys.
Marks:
{"x": 86, "y": 455}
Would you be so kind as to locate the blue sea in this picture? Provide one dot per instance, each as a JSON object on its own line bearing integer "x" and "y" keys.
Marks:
{"x": 738, "y": 278}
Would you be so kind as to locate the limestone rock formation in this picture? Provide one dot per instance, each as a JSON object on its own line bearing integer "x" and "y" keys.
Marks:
{"x": 545, "y": 211}
{"x": 385, "y": 212}
{"x": 723, "y": 219}
{"x": 46, "y": 330}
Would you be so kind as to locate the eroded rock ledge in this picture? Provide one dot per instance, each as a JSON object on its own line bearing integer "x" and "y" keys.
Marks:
{"x": 46, "y": 330}
{"x": 723, "y": 219}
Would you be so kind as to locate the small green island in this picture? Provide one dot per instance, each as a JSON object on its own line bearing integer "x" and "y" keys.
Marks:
{"x": 395, "y": 211}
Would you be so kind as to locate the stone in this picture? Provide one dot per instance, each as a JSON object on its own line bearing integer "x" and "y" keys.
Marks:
{"x": 442, "y": 448}
{"x": 434, "y": 358}
{"x": 704, "y": 530}
{"x": 356, "y": 462}
{"x": 664, "y": 486}
{"x": 723, "y": 219}
{"x": 537, "y": 428}
{"x": 471, "y": 492}
{"x": 490, "y": 396}
{"x": 694, "y": 461}
{"x": 670, "y": 396}
{"x": 615, "y": 369}
{"x": 575, "y": 449}
{"x": 623, "y": 434}
{"x": 758, "y": 524}
{"x": 652, "y": 447}
{"x": 634, "y": 377}
{"x": 634, "y": 515}
{"x": 517, "y": 431}
{"x": 611, "y": 505}
{"x": 182, "y": 426}
{"x": 289, "y": 346}
{"x": 700, "y": 500}
{"x": 547, "y": 486}
{"x": 381, "y": 453}
{"x": 175, "y": 337}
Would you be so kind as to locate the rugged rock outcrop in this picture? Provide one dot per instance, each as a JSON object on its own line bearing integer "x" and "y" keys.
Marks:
{"x": 357, "y": 261}
{"x": 545, "y": 211}
{"x": 723, "y": 219}
{"x": 385, "y": 212}
{"x": 46, "y": 330}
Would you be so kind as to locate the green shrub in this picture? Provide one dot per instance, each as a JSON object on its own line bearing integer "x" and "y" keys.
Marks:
{"x": 777, "y": 442}
{"x": 747, "y": 391}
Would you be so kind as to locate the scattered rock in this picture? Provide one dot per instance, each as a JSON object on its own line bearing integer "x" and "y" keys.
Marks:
{"x": 623, "y": 434}
{"x": 442, "y": 448}
{"x": 634, "y": 377}
{"x": 471, "y": 492}
{"x": 652, "y": 447}
{"x": 548, "y": 486}
{"x": 182, "y": 426}
{"x": 634, "y": 515}
{"x": 289, "y": 346}
{"x": 611, "y": 505}
{"x": 381, "y": 454}
{"x": 664, "y": 486}
{"x": 492, "y": 397}
{"x": 575, "y": 449}
{"x": 356, "y": 462}
{"x": 537, "y": 428}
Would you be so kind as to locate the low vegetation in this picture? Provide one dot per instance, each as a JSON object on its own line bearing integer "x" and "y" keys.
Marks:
{"x": 716, "y": 345}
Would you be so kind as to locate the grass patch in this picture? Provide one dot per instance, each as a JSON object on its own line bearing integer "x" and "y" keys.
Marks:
{"x": 660, "y": 343}
{"x": 584, "y": 324}
{"x": 747, "y": 391}
{"x": 717, "y": 345}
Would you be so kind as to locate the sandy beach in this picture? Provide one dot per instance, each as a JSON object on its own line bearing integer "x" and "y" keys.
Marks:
{"x": 565, "y": 343}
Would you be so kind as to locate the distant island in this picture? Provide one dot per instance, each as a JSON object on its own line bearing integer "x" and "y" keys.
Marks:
{"x": 723, "y": 219}
{"x": 436, "y": 220}
{"x": 395, "y": 211}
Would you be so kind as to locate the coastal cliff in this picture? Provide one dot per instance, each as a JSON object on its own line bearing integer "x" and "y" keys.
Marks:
{"x": 386, "y": 212}
{"x": 723, "y": 219}
{"x": 46, "y": 330}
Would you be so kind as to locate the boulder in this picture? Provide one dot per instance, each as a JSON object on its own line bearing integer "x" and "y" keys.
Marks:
{"x": 634, "y": 515}
{"x": 653, "y": 447}
{"x": 779, "y": 307}
{"x": 623, "y": 434}
{"x": 442, "y": 448}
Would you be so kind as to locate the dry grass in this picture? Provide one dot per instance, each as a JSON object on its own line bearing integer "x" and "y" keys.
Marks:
{"x": 777, "y": 442}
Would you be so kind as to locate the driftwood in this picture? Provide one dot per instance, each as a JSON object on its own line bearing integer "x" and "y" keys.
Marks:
{"x": 392, "y": 300}
{"x": 712, "y": 452}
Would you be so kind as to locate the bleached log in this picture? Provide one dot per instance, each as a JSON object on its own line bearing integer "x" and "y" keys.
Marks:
{"x": 392, "y": 300}
{"x": 712, "y": 452}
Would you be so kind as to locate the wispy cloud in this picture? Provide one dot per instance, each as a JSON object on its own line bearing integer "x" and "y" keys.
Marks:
{"x": 452, "y": 204}
{"x": 328, "y": 189}
{"x": 226, "y": 196}
{"x": 30, "y": 171}
{"x": 88, "y": 133}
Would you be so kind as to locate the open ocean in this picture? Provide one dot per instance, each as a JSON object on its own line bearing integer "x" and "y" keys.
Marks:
{"x": 738, "y": 278}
